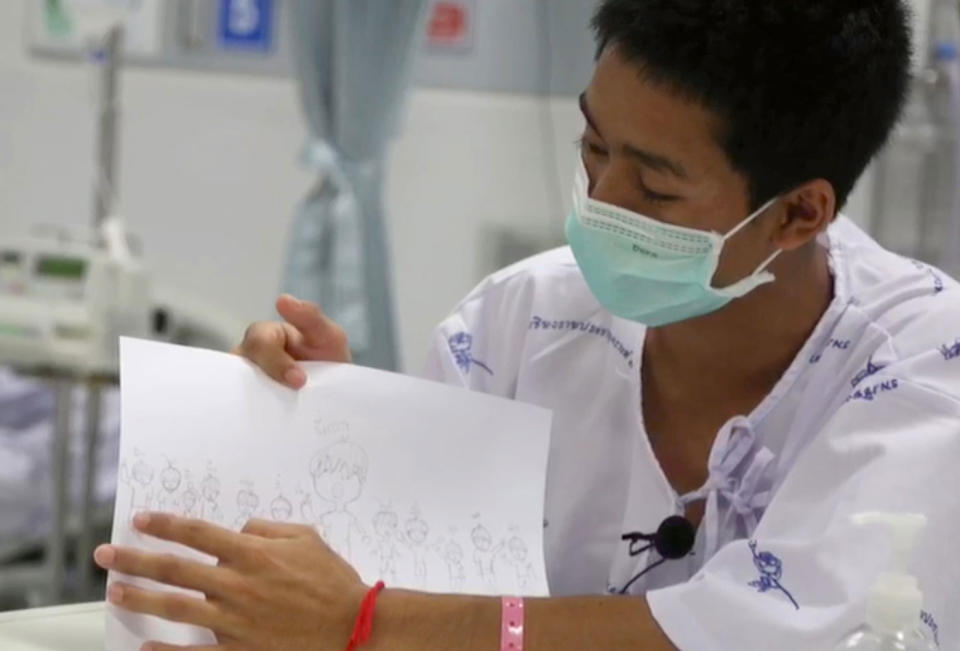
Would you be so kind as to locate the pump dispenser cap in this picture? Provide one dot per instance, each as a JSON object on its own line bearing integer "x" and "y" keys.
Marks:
{"x": 895, "y": 600}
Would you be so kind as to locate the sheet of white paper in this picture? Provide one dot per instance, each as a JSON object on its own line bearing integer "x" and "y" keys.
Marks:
{"x": 424, "y": 485}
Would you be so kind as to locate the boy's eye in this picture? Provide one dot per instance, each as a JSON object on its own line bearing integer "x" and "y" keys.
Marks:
{"x": 591, "y": 147}
{"x": 657, "y": 197}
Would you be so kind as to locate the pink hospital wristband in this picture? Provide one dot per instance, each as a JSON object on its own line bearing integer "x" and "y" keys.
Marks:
{"x": 511, "y": 624}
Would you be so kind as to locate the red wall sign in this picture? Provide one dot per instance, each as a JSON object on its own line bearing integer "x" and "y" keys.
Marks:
{"x": 450, "y": 24}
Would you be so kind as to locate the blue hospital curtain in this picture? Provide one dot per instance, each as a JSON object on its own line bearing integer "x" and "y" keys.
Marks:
{"x": 352, "y": 60}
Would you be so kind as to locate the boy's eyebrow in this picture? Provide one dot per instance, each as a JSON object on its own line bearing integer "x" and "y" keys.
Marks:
{"x": 656, "y": 161}
{"x": 647, "y": 158}
{"x": 586, "y": 113}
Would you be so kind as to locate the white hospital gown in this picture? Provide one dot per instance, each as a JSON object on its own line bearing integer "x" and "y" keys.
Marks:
{"x": 866, "y": 418}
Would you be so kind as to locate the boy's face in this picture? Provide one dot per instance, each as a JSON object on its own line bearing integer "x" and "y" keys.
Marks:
{"x": 189, "y": 498}
{"x": 247, "y": 500}
{"x": 518, "y": 549}
{"x": 481, "y": 538}
{"x": 339, "y": 487}
{"x": 454, "y": 552}
{"x": 417, "y": 531}
{"x": 211, "y": 487}
{"x": 385, "y": 524}
{"x": 170, "y": 478}
{"x": 281, "y": 509}
{"x": 648, "y": 150}
{"x": 142, "y": 472}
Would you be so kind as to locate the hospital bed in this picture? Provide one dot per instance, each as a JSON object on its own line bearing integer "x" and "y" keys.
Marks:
{"x": 56, "y": 489}
{"x": 38, "y": 529}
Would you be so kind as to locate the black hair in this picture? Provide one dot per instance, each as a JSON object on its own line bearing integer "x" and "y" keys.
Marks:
{"x": 803, "y": 89}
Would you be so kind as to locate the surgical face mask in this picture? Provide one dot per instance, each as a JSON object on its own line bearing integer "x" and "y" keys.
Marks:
{"x": 647, "y": 271}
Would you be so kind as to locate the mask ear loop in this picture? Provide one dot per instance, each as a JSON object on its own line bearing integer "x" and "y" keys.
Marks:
{"x": 763, "y": 265}
{"x": 760, "y": 274}
{"x": 739, "y": 227}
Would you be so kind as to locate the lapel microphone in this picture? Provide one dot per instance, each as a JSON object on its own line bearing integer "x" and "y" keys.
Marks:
{"x": 673, "y": 539}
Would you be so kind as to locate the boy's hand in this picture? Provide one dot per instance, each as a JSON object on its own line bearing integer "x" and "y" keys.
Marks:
{"x": 306, "y": 334}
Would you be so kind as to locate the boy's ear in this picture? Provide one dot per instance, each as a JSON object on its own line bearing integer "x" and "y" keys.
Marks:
{"x": 807, "y": 211}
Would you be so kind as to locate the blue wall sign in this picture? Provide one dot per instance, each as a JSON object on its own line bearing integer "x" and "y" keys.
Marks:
{"x": 246, "y": 24}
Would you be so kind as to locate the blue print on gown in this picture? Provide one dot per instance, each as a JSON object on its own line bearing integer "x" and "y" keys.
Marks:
{"x": 950, "y": 351}
{"x": 871, "y": 369}
{"x": 771, "y": 571}
{"x": 838, "y": 344}
{"x": 937, "y": 279}
{"x": 871, "y": 392}
{"x": 931, "y": 623}
{"x": 539, "y": 323}
{"x": 461, "y": 347}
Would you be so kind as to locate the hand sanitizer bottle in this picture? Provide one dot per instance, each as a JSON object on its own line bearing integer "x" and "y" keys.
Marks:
{"x": 895, "y": 601}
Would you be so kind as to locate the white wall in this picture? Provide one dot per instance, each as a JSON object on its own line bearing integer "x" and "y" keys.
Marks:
{"x": 209, "y": 178}
{"x": 467, "y": 163}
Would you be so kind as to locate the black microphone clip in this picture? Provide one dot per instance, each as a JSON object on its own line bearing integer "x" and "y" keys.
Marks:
{"x": 673, "y": 539}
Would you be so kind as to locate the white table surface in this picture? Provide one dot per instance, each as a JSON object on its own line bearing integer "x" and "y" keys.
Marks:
{"x": 79, "y": 627}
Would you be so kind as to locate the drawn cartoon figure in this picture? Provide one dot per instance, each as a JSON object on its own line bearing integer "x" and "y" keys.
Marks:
{"x": 189, "y": 500}
{"x": 517, "y": 556}
{"x": 386, "y": 529}
{"x": 461, "y": 347}
{"x": 452, "y": 554}
{"x": 124, "y": 477}
{"x": 281, "y": 509}
{"x": 210, "y": 492}
{"x": 138, "y": 478}
{"x": 417, "y": 531}
{"x": 339, "y": 472}
{"x": 247, "y": 503}
{"x": 327, "y": 428}
{"x": 484, "y": 555}
{"x": 771, "y": 571}
{"x": 170, "y": 480}
{"x": 306, "y": 510}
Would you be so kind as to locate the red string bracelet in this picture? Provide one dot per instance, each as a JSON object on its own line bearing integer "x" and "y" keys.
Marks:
{"x": 364, "y": 626}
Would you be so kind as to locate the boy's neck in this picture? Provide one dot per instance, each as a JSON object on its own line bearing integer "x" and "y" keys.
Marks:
{"x": 751, "y": 342}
